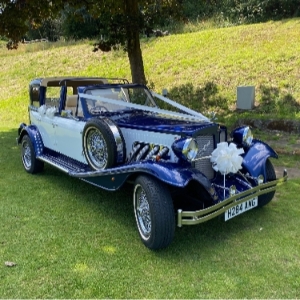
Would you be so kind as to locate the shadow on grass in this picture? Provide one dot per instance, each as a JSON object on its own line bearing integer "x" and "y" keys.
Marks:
{"x": 202, "y": 99}
{"x": 270, "y": 101}
{"x": 275, "y": 100}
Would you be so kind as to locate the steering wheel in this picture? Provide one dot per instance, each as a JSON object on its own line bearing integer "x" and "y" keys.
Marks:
{"x": 98, "y": 109}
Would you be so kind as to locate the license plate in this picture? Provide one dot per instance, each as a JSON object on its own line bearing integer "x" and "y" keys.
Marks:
{"x": 240, "y": 208}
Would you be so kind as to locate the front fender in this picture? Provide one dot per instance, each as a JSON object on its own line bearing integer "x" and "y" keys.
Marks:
{"x": 169, "y": 173}
{"x": 34, "y": 135}
{"x": 173, "y": 174}
{"x": 255, "y": 158}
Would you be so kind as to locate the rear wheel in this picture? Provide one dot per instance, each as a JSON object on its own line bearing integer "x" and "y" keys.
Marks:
{"x": 270, "y": 176}
{"x": 154, "y": 212}
{"x": 30, "y": 163}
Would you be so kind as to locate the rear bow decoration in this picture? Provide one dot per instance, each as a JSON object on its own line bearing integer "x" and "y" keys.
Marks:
{"x": 226, "y": 158}
{"x": 49, "y": 112}
{"x": 42, "y": 110}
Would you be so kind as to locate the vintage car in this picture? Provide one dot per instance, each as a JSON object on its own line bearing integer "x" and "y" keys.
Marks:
{"x": 185, "y": 168}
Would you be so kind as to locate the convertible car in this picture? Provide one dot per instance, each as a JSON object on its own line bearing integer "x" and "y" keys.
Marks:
{"x": 185, "y": 168}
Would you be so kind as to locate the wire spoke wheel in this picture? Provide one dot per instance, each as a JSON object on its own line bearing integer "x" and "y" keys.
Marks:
{"x": 103, "y": 144}
{"x": 30, "y": 162}
{"x": 96, "y": 148}
{"x": 26, "y": 155}
{"x": 142, "y": 211}
{"x": 154, "y": 212}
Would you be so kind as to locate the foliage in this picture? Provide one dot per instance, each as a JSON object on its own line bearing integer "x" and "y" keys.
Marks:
{"x": 241, "y": 11}
{"x": 121, "y": 22}
{"x": 150, "y": 13}
{"x": 78, "y": 24}
{"x": 17, "y": 16}
{"x": 49, "y": 29}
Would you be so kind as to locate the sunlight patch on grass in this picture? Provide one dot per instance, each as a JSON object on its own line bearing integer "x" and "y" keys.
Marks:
{"x": 81, "y": 267}
{"x": 109, "y": 249}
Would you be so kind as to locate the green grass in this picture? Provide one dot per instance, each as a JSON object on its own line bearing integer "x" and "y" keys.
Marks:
{"x": 72, "y": 240}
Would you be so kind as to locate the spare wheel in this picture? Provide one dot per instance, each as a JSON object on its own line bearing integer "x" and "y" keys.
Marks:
{"x": 103, "y": 144}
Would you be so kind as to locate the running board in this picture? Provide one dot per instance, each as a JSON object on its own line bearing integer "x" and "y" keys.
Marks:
{"x": 64, "y": 163}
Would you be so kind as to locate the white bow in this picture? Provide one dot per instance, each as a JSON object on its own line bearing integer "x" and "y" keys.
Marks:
{"x": 226, "y": 158}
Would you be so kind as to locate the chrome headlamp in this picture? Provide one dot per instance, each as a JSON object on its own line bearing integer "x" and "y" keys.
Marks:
{"x": 242, "y": 136}
{"x": 185, "y": 148}
{"x": 247, "y": 136}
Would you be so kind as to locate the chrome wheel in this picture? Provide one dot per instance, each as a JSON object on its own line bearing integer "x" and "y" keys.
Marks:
{"x": 96, "y": 148}
{"x": 142, "y": 212}
{"x": 154, "y": 212}
{"x": 103, "y": 144}
{"x": 30, "y": 162}
{"x": 26, "y": 155}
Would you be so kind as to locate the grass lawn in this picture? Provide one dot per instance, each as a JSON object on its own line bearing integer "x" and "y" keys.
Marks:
{"x": 72, "y": 240}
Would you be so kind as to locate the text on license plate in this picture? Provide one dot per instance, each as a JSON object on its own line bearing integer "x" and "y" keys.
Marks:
{"x": 240, "y": 208}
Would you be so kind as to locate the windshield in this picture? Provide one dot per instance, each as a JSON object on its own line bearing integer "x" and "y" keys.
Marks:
{"x": 136, "y": 95}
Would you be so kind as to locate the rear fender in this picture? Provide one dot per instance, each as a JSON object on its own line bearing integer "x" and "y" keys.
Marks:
{"x": 255, "y": 158}
{"x": 34, "y": 136}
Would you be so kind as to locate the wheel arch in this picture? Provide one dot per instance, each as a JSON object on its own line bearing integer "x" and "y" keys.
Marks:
{"x": 172, "y": 175}
{"x": 34, "y": 135}
{"x": 255, "y": 159}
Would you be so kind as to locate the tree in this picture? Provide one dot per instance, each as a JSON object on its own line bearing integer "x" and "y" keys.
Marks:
{"x": 122, "y": 21}
{"x": 78, "y": 24}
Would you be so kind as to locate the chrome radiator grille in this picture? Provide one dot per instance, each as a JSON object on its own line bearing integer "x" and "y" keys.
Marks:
{"x": 206, "y": 147}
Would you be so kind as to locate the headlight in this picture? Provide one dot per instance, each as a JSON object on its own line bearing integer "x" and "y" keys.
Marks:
{"x": 185, "y": 148}
{"x": 242, "y": 136}
{"x": 247, "y": 136}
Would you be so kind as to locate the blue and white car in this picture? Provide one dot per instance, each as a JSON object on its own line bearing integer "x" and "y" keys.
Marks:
{"x": 185, "y": 168}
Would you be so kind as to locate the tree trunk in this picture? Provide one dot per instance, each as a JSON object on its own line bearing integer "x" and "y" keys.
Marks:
{"x": 133, "y": 42}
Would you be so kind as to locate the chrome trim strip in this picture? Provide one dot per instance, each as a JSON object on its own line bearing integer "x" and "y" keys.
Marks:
{"x": 98, "y": 185}
{"x": 118, "y": 139}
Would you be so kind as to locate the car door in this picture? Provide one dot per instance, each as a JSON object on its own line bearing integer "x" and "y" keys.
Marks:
{"x": 68, "y": 135}
{"x": 44, "y": 117}
{"x": 46, "y": 127}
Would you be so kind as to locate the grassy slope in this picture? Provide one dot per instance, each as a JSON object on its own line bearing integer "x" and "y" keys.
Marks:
{"x": 264, "y": 55}
{"x": 70, "y": 240}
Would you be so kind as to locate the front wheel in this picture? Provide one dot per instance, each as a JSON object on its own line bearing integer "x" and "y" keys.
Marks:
{"x": 30, "y": 163}
{"x": 154, "y": 212}
{"x": 270, "y": 176}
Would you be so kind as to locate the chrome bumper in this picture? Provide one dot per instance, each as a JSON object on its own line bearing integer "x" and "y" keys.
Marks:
{"x": 203, "y": 215}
